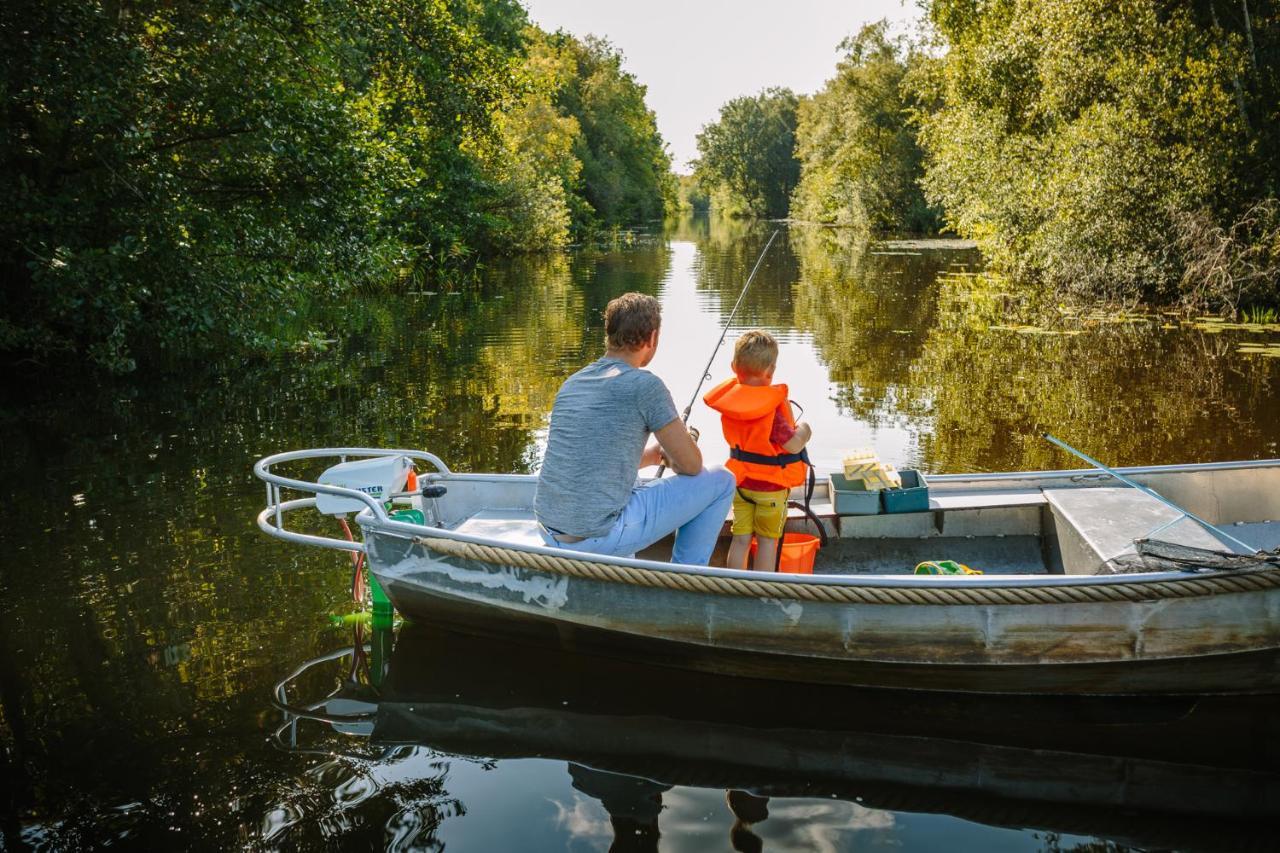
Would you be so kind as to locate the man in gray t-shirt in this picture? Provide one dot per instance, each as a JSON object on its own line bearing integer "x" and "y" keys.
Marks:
{"x": 588, "y": 498}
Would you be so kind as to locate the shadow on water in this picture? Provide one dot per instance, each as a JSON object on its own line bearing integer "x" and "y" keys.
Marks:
{"x": 1192, "y": 774}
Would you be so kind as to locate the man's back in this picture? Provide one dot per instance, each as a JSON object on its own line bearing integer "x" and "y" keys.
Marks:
{"x": 601, "y": 420}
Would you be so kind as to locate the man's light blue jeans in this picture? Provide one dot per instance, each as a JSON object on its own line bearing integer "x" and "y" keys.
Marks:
{"x": 694, "y": 506}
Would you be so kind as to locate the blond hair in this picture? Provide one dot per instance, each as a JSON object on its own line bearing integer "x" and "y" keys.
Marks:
{"x": 756, "y": 352}
{"x": 630, "y": 320}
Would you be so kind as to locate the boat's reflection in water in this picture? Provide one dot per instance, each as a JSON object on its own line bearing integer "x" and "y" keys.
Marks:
{"x": 1185, "y": 773}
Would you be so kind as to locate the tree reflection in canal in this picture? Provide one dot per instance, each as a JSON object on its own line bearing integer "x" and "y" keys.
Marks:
{"x": 143, "y": 618}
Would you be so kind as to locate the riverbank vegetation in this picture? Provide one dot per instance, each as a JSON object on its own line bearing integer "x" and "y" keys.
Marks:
{"x": 1119, "y": 152}
{"x": 182, "y": 178}
{"x": 746, "y": 158}
{"x": 860, "y": 163}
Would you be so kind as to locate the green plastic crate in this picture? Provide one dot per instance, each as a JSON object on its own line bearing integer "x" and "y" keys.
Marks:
{"x": 912, "y": 497}
{"x": 850, "y": 497}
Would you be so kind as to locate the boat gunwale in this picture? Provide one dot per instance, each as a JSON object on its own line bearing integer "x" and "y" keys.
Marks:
{"x": 1072, "y": 474}
{"x": 374, "y": 518}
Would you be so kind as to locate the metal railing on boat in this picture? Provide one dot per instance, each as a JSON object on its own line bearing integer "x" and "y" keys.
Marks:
{"x": 272, "y": 518}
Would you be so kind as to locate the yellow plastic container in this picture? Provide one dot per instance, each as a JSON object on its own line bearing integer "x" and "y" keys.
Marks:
{"x": 863, "y": 464}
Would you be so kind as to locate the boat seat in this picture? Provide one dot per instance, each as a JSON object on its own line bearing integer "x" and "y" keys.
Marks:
{"x": 1097, "y": 526}
{"x": 985, "y": 499}
{"x": 517, "y": 526}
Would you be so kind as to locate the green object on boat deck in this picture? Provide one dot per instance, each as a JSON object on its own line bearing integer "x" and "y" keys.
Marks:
{"x": 944, "y": 567}
{"x": 409, "y": 516}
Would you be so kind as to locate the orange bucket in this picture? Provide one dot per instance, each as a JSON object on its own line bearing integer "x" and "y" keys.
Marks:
{"x": 798, "y": 551}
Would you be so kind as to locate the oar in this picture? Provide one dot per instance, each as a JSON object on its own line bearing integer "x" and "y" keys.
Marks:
{"x": 706, "y": 371}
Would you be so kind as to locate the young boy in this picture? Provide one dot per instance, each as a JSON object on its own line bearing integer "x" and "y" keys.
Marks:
{"x": 764, "y": 448}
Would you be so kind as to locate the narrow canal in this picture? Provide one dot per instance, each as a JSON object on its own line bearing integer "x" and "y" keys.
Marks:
{"x": 144, "y": 620}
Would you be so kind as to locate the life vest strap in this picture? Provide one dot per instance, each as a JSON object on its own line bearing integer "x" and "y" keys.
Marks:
{"x": 765, "y": 458}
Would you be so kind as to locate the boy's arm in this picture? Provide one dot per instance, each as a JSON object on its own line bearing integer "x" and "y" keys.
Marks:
{"x": 800, "y": 439}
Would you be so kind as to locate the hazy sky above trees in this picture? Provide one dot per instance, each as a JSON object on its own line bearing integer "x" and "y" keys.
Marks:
{"x": 695, "y": 55}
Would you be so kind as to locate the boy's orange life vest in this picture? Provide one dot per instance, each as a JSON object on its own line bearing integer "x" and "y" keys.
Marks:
{"x": 746, "y": 416}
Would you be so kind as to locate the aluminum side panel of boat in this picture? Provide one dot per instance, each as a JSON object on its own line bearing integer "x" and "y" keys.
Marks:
{"x": 962, "y": 640}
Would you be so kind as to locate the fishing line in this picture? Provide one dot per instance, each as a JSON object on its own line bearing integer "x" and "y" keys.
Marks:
{"x": 706, "y": 371}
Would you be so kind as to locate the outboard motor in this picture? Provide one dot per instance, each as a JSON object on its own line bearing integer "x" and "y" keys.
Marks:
{"x": 380, "y": 478}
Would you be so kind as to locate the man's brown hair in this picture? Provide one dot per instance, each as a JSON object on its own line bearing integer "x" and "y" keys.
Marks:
{"x": 756, "y": 352}
{"x": 630, "y": 320}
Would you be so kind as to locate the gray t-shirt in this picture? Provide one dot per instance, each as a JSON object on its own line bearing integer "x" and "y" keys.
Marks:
{"x": 600, "y": 423}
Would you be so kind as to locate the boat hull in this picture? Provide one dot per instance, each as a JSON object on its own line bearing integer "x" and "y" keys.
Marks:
{"x": 1199, "y": 644}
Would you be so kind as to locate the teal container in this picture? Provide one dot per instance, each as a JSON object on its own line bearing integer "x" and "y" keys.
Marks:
{"x": 912, "y": 497}
{"x": 850, "y": 497}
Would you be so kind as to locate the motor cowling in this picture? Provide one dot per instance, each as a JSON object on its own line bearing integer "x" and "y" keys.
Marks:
{"x": 379, "y": 478}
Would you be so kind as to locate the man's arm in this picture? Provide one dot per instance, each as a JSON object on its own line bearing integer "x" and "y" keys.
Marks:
{"x": 678, "y": 447}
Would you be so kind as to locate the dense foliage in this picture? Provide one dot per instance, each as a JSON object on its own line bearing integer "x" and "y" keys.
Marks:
{"x": 1126, "y": 150}
{"x": 860, "y": 163}
{"x": 626, "y": 171}
{"x": 183, "y": 176}
{"x": 747, "y": 156}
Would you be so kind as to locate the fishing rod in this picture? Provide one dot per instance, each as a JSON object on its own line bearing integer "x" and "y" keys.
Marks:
{"x": 706, "y": 371}
{"x": 1248, "y": 549}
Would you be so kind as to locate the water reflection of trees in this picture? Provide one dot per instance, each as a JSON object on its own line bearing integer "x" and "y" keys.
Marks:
{"x": 144, "y": 617}
{"x": 1127, "y": 392}
{"x": 908, "y": 335}
{"x": 869, "y": 309}
{"x": 727, "y": 252}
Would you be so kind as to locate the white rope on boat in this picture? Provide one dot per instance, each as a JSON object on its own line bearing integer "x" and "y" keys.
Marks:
{"x": 1191, "y": 587}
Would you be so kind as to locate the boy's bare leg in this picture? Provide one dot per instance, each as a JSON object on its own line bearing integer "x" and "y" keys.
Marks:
{"x": 766, "y": 554}
{"x": 739, "y": 548}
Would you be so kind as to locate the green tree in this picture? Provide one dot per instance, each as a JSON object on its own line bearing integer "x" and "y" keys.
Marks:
{"x": 183, "y": 177}
{"x": 532, "y": 160}
{"x": 860, "y": 164}
{"x": 179, "y": 176}
{"x": 626, "y": 170}
{"x": 1076, "y": 142}
{"x": 693, "y": 196}
{"x": 747, "y": 156}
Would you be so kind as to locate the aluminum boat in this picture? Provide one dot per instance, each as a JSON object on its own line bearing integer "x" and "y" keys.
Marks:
{"x": 1089, "y": 586}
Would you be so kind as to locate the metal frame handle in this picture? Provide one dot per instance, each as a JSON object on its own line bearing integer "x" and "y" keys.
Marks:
{"x": 271, "y": 519}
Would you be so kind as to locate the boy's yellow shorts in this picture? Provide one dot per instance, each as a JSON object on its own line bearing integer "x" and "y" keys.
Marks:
{"x": 765, "y": 514}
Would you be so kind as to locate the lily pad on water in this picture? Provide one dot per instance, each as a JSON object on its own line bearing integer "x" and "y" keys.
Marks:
{"x": 1222, "y": 325}
{"x": 1034, "y": 330}
{"x": 1264, "y": 350}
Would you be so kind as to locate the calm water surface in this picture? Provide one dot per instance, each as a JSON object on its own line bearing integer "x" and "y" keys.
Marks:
{"x": 145, "y": 621}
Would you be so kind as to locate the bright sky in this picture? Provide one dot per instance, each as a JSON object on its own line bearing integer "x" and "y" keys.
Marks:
{"x": 696, "y": 54}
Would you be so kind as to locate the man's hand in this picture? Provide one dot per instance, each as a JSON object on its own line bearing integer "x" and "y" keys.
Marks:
{"x": 652, "y": 456}
{"x": 678, "y": 449}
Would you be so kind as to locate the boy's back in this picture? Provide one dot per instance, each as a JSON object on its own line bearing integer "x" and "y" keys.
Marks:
{"x": 765, "y": 448}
